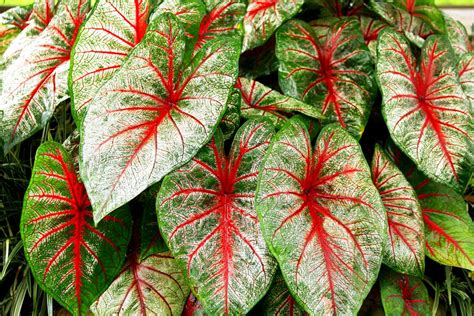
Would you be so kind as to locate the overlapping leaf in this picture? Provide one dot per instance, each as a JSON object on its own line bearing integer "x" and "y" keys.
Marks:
{"x": 263, "y": 17}
{"x": 322, "y": 217}
{"x": 37, "y": 80}
{"x": 278, "y": 301}
{"x": 414, "y": 28}
{"x": 152, "y": 286}
{"x": 12, "y": 22}
{"x": 405, "y": 248}
{"x": 371, "y": 28}
{"x": 425, "y": 109}
{"x": 70, "y": 257}
{"x": 259, "y": 100}
{"x": 425, "y": 10}
{"x": 403, "y": 294}
{"x": 207, "y": 216}
{"x": 331, "y": 70}
{"x": 40, "y": 17}
{"x": 112, "y": 30}
{"x": 154, "y": 114}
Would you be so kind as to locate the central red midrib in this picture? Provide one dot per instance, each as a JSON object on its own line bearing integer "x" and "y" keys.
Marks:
{"x": 140, "y": 21}
{"x": 226, "y": 244}
{"x": 260, "y": 6}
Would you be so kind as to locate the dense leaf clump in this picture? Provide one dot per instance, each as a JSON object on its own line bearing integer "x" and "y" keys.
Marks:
{"x": 276, "y": 157}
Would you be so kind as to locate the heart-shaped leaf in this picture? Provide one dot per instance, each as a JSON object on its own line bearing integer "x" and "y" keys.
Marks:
{"x": 12, "y": 22}
{"x": 405, "y": 249}
{"x": 403, "y": 294}
{"x": 152, "y": 286}
{"x": 322, "y": 217}
{"x": 263, "y": 17}
{"x": 414, "y": 28}
{"x": 278, "y": 301}
{"x": 259, "y": 100}
{"x": 425, "y": 108}
{"x": 154, "y": 114}
{"x": 112, "y": 30}
{"x": 73, "y": 260}
{"x": 37, "y": 80}
{"x": 207, "y": 216}
{"x": 466, "y": 75}
{"x": 330, "y": 69}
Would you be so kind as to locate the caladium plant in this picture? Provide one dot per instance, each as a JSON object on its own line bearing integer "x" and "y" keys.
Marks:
{"x": 263, "y": 157}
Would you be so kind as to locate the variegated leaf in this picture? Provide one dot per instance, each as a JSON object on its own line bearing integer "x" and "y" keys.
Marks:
{"x": 425, "y": 108}
{"x": 263, "y": 17}
{"x": 152, "y": 286}
{"x": 73, "y": 260}
{"x": 424, "y": 10}
{"x": 403, "y": 294}
{"x": 329, "y": 68}
{"x": 259, "y": 100}
{"x": 12, "y": 22}
{"x": 154, "y": 114}
{"x": 112, "y": 30}
{"x": 278, "y": 301}
{"x": 371, "y": 28}
{"x": 322, "y": 218}
{"x": 414, "y": 28}
{"x": 37, "y": 80}
{"x": 207, "y": 216}
{"x": 405, "y": 248}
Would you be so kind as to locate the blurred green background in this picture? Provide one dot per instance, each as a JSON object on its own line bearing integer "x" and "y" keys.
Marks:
{"x": 439, "y": 2}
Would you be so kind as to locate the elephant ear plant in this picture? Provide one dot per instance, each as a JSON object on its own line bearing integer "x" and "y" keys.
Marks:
{"x": 201, "y": 157}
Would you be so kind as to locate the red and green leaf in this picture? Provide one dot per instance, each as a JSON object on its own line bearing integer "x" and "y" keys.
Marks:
{"x": 330, "y": 70}
{"x": 405, "y": 248}
{"x": 425, "y": 108}
{"x": 259, "y": 100}
{"x": 152, "y": 286}
{"x": 263, "y": 17}
{"x": 207, "y": 216}
{"x": 73, "y": 260}
{"x": 112, "y": 30}
{"x": 188, "y": 12}
{"x": 403, "y": 294}
{"x": 322, "y": 217}
{"x": 278, "y": 301}
{"x": 154, "y": 114}
{"x": 424, "y": 10}
{"x": 449, "y": 229}
{"x": 371, "y": 28}
{"x": 414, "y": 28}
{"x": 37, "y": 80}
{"x": 12, "y": 22}
{"x": 40, "y": 17}
{"x": 466, "y": 75}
